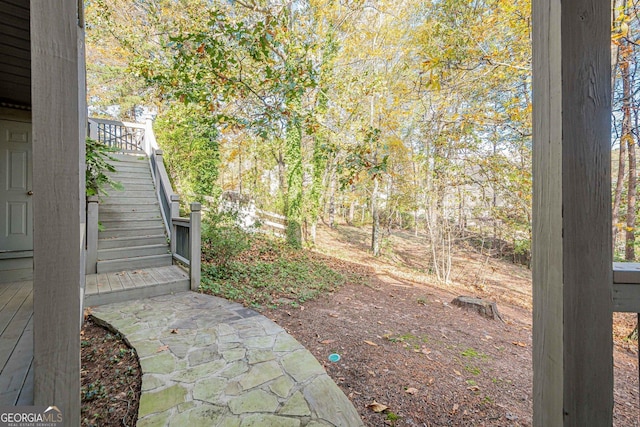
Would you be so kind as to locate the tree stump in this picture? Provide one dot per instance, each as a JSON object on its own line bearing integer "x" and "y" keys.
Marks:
{"x": 486, "y": 309}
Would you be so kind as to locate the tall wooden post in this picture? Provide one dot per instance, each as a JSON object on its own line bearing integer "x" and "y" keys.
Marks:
{"x": 59, "y": 130}
{"x": 195, "y": 238}
{"x": 572, "y": 271}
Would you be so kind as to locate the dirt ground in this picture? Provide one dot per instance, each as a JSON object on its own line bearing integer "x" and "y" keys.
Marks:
{"x": 408, "y": 356}
{"x": 405, "y": 346}
{"x": 111, "y": 379}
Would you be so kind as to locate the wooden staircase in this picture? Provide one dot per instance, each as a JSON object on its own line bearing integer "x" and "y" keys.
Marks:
{"x": 134, "y": 256}
{"x": 132, "y": 235}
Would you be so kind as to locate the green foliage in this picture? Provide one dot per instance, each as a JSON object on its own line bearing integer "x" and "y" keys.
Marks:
{"x": 268, "y": 273}
{"x": 95, "y": 390}
{"x": 294, "y": 200}
{"x": 190, "y": 142}
{"x": 222, "y": 239}
{"x": 97, "y": 166}
{"x": 472, "y": 353}
{"x": 427, "y": 104}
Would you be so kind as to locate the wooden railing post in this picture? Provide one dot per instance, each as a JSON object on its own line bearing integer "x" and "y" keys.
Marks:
{"x": 149, "y": 139}
{"x": 194, "y": 245}
{"x": 93, "y": 130}
{"x": 158, "y": 158}
{"x": 175, "y": 210}
{"x": 92, "y": 234}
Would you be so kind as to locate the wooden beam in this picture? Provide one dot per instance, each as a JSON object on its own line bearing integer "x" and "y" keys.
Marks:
{"x": 572, "y": 272}
{"x": 58, "y": 108}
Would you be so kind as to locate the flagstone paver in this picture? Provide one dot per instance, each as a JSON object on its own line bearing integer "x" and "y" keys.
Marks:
{"x": 210, "y": 362}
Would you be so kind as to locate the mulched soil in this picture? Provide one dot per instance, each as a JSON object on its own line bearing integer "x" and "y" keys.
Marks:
{"x": 403, "y": 345}
{"x": 111, "y": 378}
{"x": 408, "y": 348}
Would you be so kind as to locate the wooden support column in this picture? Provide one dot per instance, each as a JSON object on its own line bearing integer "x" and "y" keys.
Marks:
{"x": 59, "y": 130}
{"x": 92, "y": 234}
{"x": 572, "y": 272}
{"x": 195, "y": 238}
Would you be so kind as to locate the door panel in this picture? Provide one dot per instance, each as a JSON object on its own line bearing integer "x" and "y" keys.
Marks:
{"x": 16, "y": 214}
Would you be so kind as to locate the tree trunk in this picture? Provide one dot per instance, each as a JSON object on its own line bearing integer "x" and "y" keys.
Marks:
{"x": 485, "y": 308}
{"x": 375, "y": 216}
{"x": 622, "y": 161}
{"x": 293, "y": 205}
{"x": 352, "y": 209}
{"x": 332, "y": 199}
{"x": 627, "y": 139}
{"x": 622, "y": 158}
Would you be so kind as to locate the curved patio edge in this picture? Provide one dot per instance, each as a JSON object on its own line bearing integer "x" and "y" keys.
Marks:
{"x": 210, "y": 362}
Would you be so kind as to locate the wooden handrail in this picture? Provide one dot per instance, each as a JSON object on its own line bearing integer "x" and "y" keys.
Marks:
{"x": 626, "y": 287}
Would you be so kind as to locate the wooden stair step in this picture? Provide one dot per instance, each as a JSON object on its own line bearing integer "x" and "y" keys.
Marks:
{"x": 133, "y": 251}
{"x": 122, "y": 264}
{"x": 131, "y": 232}
{"x": 125, "y": 242}
{"x": 129, "y": 215}
{"x": 107, "y": 288}
{"x": 131, "y": 223}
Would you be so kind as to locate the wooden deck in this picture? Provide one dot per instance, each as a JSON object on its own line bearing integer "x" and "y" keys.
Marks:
{"x": 16, "y": 343}
{"x": 107, "y": 288}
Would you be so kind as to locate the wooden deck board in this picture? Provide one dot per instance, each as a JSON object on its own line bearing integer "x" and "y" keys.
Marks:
{"x": 26, "y": 394}
{"x": 127, "y": 282}
{"x": 7, "y": 290}
{"x": 16, "y": 348}
{"x": 136, "y": 278}
{"x": 157, "y": 275}
{"x": 114, "y": 282}
{"x": 91, "y": 284}
{"x": 103, "y": 283}
{"x": 148, "y": 279}
{"x": 12, "y": 306}
{"x": 15, "y": 329}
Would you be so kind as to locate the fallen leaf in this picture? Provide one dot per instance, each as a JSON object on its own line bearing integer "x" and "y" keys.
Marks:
{"x": 457, "y": 372}
{"x": 371, "y": 343}
{"x": 174, "y": 331}
{"x": 377, "y": 407}
{"x": 327, "y": 341}
{"x": 162, "y": 348}
{"x": 333, "y": 315}
{"x": 473, "y": 388}
{"x": 302, "y": 308}
{"x": 373, "y": 374}
{"x": 455, "y": 408}
{"x": 519, "y": 344}
{"x": 411, "y": 390}
{"x": 425, "y": 351}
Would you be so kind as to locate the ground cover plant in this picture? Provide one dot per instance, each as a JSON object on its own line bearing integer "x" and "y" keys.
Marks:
{"x": 264, "y": 272}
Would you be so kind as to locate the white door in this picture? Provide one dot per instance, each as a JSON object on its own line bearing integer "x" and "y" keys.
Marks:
{"x": 16, "y": 207}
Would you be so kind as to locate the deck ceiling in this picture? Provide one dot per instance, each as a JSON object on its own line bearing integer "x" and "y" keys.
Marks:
{"x": 15, "y": 57}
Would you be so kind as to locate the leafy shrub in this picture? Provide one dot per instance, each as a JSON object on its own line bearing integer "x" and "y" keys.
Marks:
{"x": 97, "y": 160}
{"x": 222, "y": 239}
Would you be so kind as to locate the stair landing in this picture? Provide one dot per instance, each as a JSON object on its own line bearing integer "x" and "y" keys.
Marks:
{"x": 120, "y": 286}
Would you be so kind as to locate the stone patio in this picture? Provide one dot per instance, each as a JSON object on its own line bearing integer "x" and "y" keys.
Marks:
{"x": 210, "y": 362}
